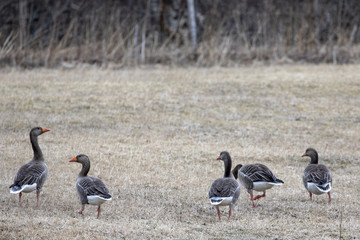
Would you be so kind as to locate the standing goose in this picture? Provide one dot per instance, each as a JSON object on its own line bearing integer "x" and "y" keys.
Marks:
{"x": 316, "y": 177}
{"x": 224, "y": 191}
{"x": 32, "y": 175}
{"x": 256, "y": 177}
{"x": 90, "y": 190}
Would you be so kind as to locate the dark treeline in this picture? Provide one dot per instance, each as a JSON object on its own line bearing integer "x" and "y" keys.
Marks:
{"x": 218, "y": 32}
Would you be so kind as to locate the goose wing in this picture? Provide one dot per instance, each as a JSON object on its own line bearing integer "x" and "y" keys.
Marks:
{"x": 258, "y": 173}
{"x": 223, "y": 187}
{"x": 90, "y": 186}
{"x": 30, "y": 173}
{"x": 317, "y": 173}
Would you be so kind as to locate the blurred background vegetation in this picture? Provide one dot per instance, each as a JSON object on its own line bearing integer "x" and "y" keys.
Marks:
{"x": 52, "y": 33}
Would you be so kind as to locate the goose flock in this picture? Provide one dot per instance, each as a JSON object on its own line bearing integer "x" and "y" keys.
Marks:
{"x": 223, "y": 191}
{"x": 33, "y": 175}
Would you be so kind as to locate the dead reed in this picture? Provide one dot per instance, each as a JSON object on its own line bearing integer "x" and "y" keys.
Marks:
{"x": 126, "y": 33}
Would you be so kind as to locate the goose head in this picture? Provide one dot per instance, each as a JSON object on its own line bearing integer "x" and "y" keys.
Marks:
{"x": 36, "y": 131}
{"x": 224, "y": 156}
{"x": 85, "y": 162}
{"x": 310, "y": 152}
{"x": 81, "y": 158}
{"x": 235, "y": 171}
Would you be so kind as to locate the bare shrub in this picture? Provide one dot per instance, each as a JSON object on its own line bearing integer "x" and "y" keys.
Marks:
{"x": 228, "y": 33}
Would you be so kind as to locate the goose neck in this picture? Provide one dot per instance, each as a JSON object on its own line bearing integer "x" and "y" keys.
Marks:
{"x": 36, "y": 148}
{"x": 314, "y": 158}
{"x": 227, "y": 164}
{"x": 85, "y": 169}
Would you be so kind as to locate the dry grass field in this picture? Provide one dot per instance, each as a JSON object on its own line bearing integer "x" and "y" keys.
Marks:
{"x": 153, "y": 135}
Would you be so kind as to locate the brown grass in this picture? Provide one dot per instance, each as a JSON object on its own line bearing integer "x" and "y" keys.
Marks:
{"x": 153, "y": 136}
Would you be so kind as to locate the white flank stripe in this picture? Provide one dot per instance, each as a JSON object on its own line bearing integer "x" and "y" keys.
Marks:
{"x": 221, "y": 201}
{"x": 97, "y": 200}
{"x": 25, "y": 189}
{"x": 313, "y": 188}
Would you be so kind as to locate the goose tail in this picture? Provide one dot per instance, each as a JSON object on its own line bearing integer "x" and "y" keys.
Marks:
{"x": 279, "y": 182}
{"x": 14, "y": 189}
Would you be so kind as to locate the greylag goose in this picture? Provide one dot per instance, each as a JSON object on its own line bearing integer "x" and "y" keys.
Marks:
{"x": 256, "y": 177}
{"x": 90, "y": 190}
{"x": 32, "y": 175}
{"x": 224, "y": 191}
{"x": 316, "y": 177}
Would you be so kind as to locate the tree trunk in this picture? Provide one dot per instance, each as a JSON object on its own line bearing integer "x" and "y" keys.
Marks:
{"x": 192, "y": 22}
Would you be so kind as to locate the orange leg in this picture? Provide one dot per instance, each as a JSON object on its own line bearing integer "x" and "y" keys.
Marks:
{"x": 329, "y": 197}
{"x": 218, "y": 212}
{"x": 310, "y": 195}
{"x": 37, "y": 198}
{"x": 259, "y": 196}
{"x": 252, "y": 199}
{"x": 229, "y": 213}
{"x": 82, "y": 209}
{"x": 99, "y": 210}
{"x": 20, "y": 199}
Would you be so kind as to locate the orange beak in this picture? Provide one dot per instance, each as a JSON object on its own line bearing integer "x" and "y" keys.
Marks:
{"x": 304, "y": 155}
{"x": 218, "y": 158}
{"x": 44, "y": 130}
{"x": 73, "y": 160}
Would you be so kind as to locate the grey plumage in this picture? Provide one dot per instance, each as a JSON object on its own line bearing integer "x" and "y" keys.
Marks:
{"x": 224, "y": 187}
{"x": 317, "y": 178}
{"x": 90, "y": 190}
{"x": 90, "y": 186}
{"x": 34, "y": 172}
{"x": 317, "y": 173}
{"x": 226, "y": 190}
{"x": 256, "y": 177}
